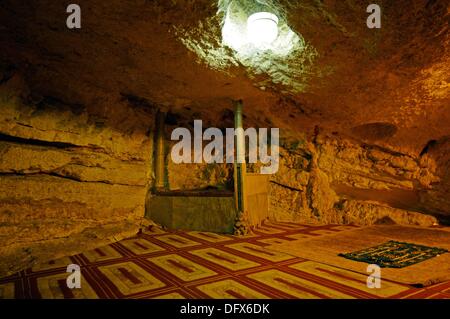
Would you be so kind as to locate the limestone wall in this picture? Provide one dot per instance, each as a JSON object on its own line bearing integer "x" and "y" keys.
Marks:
{"x": 73, "y": 177}
{"x": 70, "y": 179}
{"x": 437, "y": 198}
{"x": 190, "y": 176}
{"x": 333, "y": 180}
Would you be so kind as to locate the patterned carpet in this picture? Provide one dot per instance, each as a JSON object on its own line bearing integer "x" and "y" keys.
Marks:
{"x": 176, "y": 264}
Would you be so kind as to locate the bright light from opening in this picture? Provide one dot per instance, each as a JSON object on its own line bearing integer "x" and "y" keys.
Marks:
{"x": 262, "y": 29}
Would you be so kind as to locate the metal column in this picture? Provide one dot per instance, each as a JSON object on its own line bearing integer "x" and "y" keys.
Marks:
{"x": 160, "y": 161}
{"x": 239, "y": 161}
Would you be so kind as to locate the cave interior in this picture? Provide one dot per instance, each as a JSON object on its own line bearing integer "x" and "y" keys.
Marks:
{"x": 89, "y": 174}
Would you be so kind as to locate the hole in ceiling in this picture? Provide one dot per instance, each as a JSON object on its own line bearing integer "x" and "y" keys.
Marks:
{"x": 262, "y": 29}
{"x": 255, "y": 35}
{"x": 252, "y": 26}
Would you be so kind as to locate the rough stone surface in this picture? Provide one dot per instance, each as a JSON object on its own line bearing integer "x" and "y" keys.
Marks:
{"x": 369, "y": 213}
{"x": 199, "y": 176}
{"x": 363, "y": 116}
{"x": 388, "y": 85}
{"x": 69, "y": 180}
{"x": 339, "y": 181}
{"x": 437, "y": 197}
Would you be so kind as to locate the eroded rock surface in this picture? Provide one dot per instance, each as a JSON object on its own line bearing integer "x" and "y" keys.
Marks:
{"x": 77, "y": 115}
{"x": 332, "y": 180}
{"x": 68, "y": 181}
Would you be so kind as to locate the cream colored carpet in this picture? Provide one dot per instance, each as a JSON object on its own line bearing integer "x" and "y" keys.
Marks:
{"x": 325, "y": 249}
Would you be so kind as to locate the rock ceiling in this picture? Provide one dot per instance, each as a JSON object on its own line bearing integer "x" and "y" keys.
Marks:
{"x": 387, "y": 86}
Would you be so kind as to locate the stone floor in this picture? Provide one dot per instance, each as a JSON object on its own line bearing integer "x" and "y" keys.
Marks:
{"x": 177, "y": 264}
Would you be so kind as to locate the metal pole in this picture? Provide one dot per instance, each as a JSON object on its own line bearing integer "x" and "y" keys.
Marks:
{"x": 239, "y": 162}
{"x": 159, "y": 165}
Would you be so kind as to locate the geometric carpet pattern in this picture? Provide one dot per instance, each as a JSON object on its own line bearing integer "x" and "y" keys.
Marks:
{"x": 188, "y": 264}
